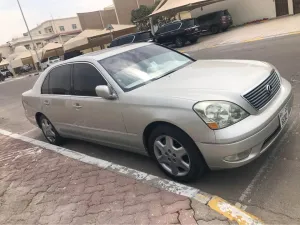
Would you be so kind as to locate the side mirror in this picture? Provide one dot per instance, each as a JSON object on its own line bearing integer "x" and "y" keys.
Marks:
{"x": 104, "y": 91}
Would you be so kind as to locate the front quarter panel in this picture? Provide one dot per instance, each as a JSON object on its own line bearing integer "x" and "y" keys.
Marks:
{"x": 140, "y": 111}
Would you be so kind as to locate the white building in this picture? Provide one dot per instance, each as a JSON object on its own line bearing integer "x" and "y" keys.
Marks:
{"x": 244, "y": 11}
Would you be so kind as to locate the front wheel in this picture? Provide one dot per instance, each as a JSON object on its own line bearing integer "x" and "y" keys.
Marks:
{"x": 49, "y": 131}
{"x": 176, "y": 153}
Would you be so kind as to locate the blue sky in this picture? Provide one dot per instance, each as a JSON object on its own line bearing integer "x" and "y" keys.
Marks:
{"x": 37, "y": 11}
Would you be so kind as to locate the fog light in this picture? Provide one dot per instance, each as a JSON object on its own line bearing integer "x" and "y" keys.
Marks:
{"x": 238, "y": 157}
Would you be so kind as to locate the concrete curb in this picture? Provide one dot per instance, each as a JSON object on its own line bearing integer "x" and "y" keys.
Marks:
{"x": 214, "y": 202}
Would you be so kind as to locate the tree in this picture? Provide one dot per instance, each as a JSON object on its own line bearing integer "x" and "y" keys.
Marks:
{"x": 139, "y": 17}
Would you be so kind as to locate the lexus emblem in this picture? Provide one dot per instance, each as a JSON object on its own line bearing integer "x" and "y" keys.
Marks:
{"x": 269, "y": 89}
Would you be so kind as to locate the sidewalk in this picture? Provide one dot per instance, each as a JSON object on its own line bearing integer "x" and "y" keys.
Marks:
{"x": 272, "y": 28}
{"x": 38, "y": 186}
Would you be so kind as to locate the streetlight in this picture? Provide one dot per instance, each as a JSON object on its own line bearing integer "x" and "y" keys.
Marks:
{"x": 34, "y": 47}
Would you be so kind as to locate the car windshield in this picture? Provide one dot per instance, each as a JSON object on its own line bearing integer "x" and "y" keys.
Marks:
{"x": 140, "y": 66}
{"x": 53, "y": 57}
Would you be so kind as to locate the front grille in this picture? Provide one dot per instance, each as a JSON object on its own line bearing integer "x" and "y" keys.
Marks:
{"x": 264, "y": 92}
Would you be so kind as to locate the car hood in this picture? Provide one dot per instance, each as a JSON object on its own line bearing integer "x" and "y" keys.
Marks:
{"x": 214, "y": 78}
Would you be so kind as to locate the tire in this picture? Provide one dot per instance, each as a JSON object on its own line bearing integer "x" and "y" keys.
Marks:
{"x": 10, "y": 75}
{"x": 179, "y": 42}
{"x": 193, "y": 41}
{"x": 55, "y": 139}
{"x": 225, "y": 29}
{"x": 215, "y": 29}
{"x": 165, "y": 156}
{"x": 2, "y": 78}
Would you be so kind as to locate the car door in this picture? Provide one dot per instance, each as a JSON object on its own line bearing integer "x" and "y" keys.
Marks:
{"x": 95, "y": 118}
{"x": 55, "y": 97}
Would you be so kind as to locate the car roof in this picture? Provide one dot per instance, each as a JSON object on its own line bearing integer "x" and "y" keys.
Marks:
{"x": 126, "y": 35}
{"x": 105, "y": 53}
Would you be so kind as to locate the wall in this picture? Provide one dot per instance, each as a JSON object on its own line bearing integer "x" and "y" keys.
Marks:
{"x": 5, "y": 50}
{"x": 146, "y": 2}
{"x": 242, "y": 11}
{"x": 109, "y": 17}
{"x": 67, "y": 23}
{"x": 90, "y": 20}
{"x": 124, "y": 9}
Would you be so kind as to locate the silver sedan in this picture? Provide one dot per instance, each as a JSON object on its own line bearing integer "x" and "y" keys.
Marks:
{"x": 188, "y": 115}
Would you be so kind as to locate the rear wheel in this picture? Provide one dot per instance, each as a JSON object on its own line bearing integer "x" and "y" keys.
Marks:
{"x": 2, "y": 78}
{"x": 179, "y": 42}
{"x": 49, "y": 131}
{"x": 194, "y": 40}
{"x": 215, "y": 29}
{"x": 176, "y": 153}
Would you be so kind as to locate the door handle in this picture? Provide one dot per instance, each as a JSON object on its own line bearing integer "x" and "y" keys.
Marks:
{"x": 46, "y": 102}
{"x": 77, "y": 106}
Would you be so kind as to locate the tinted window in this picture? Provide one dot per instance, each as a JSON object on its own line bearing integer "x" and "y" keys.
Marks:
{"x": 161, "y": 30}
{"x": 114, "y": 43}
{"x": 60, "y": 80}
{"x": 86, "y": 78}
{"x": 126, "y": 40}
{"x": 189, "y": 23}
{"x": 174, "y": 26}
{"x": 142, "y": 36}
{"x": 45, "y": 87}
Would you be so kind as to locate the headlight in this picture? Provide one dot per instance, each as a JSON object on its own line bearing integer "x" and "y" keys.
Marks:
{"x": 220, "y": 114}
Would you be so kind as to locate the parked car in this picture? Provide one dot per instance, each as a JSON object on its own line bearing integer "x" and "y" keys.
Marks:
{"x": 178, "y": 33}
{"x": 144, "y": 36}
{"x": 2, "y": 77}
{"x": 6, "y": 73}
{"x": 152, "y": 100}
{"x": 25, "y": 68}
{"x": 50, "y": 61}
{"x": 216, "y": 21}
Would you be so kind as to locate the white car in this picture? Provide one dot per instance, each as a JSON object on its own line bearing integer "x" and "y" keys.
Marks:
{"x": 50, "y": 61}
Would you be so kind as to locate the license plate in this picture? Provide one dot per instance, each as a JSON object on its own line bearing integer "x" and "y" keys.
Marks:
{"x": 284, "y": 116}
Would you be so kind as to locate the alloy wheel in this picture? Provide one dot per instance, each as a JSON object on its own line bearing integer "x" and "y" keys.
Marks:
{"x": 48, "y": 130}
{"x": 172, "y": 156}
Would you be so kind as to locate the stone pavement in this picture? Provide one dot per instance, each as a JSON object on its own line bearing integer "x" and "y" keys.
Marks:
{"x": 38, "y": 186}
{"x": 272, "y": 28}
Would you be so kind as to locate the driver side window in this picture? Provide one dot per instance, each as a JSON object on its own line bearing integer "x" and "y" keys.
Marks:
{"x": 85, "y": 79}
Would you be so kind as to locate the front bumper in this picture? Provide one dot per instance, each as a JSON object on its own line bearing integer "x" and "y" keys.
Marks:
{"x": 267, "y": 129}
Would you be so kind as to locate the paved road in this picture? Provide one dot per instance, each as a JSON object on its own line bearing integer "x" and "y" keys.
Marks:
{"x": 269, "y": 186}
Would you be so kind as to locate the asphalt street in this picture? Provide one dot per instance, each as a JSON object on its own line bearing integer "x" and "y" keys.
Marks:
{"x": 269, "y": 187}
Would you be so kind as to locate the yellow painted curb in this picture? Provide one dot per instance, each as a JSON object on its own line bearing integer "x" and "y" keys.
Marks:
{"x": 253, "y": 39}
{"x": 233, "y": 213}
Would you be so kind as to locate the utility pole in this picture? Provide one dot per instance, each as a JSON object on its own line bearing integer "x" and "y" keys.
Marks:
{"x": 34, "y": 46}
{"x": 55, "y": 30}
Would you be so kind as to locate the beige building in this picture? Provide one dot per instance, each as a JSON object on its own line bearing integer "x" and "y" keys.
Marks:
{"x": 244, "y": 11}
{"x": 119, "y": 13}
{"x": 57, "y": 31}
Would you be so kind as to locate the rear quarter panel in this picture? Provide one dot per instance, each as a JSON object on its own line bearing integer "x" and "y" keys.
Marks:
{"x": 32, "y": 105}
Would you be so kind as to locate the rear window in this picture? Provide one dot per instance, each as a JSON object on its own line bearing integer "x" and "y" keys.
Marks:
{"x": 143, "y": 36}
{"x": 53, "y": 57}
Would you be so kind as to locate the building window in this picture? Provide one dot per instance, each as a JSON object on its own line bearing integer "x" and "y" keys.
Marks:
{"x": 40, "y": 32}
{"x": 61, "y": 28}
{"x": 74, "y": 26}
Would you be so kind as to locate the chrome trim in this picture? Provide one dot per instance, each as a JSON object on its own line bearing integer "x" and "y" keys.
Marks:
{"x": 249, "y": 90}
